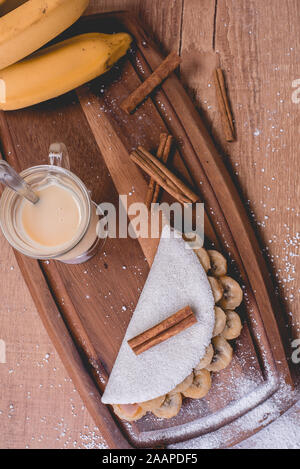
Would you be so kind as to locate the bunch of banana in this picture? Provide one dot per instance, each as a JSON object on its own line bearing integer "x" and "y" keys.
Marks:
{"x": 53, "y": 70}
{"x": 60, "y": 68}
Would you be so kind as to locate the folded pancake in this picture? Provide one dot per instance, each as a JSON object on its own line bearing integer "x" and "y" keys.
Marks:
{"x": 176, "y": 280}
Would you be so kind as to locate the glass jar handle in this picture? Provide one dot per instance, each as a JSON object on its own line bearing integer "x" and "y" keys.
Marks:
{"x": 59, "y": 156}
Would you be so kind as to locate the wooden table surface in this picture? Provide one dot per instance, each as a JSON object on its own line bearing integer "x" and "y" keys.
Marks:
{"x": 257, "y": 44}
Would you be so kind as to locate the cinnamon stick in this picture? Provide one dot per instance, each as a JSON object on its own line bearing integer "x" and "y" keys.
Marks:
{"x": 166, "y": 329}
{"x": 164, "y": 159}
{"x": 155, "y": 79}
{"x": 163, "y": 176}
{"x": 160, "y": 178}
{"x": 163, "y": 153}
{"x": 152, "y": 183}
{"x": 224, "y": 106}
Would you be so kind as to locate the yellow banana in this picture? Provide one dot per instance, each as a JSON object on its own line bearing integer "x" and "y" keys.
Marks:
{"x": 60, "y": 68}
{"x": 33, "y": 24}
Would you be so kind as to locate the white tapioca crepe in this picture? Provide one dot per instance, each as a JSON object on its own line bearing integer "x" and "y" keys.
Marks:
{"x": 176, "y": 279}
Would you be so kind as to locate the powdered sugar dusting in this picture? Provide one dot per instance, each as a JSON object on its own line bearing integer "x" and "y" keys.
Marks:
{"x": 260, "y": 416}
{"x": 284, "y": 433}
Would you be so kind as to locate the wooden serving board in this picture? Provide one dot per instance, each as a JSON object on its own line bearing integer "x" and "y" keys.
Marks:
{"x": 86, "y": 308}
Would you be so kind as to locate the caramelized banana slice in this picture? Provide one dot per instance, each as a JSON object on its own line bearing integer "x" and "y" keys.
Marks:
{"x": 233, "y": 294}
{"x": 216, "y": 287}
{"x": 233, "y": 325}
{"x": 200, "y": 386}
{"x": 183, "y": 385}
{"x": 222, "y": 354}
{"x": 206, "y": 360}
{"x": 170, "y": 407}
{"x": 193, "y": 238}
{"x": 148, "y": 406}
{"x": 220, "y": 321}
{"x": 218, "y": 263}
{"x": 203, "y": 258}
{"x": 129, "y": 412}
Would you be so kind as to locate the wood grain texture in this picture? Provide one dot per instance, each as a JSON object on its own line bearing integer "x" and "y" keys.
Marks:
{"x": 96, "y": 330}
{"x": 259, "y": 66}
{"x": 66, "y": 332}
{"x": 268, "y": 187}
{"x": 267, "y": 124}
{"x": 39, "y": 405}
{"x": 232, "y": 227}
{"x": 198, "y": 55}
{"x": 163, "y": 18}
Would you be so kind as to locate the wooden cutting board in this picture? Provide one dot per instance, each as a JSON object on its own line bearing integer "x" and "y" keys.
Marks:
{"x": 86, "y": 308}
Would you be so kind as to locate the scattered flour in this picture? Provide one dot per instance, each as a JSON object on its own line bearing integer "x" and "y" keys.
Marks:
{"x": 277, "y": 435}
{"x": 284, "y": 433}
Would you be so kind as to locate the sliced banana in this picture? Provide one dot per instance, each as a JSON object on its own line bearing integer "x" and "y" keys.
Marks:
{"x": 216, "y": 287}
{"x": 233, "y": 294}
{"x": 193, "y": 238}
{"x": 206, "y": 360}
{"x": 220, "y": 321}
{"x": 129, "y": 412}
{"x": 218, "y": 263}
{"x": 200, "y": 386}
{"x": 203, "y": 258}
{"x": 170, "y": 407}
{"x": 183, "y": 385}
{"x": 148, "y": 406}
{"x": 222, "y": 354}
{"x": 233, "y": 325}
